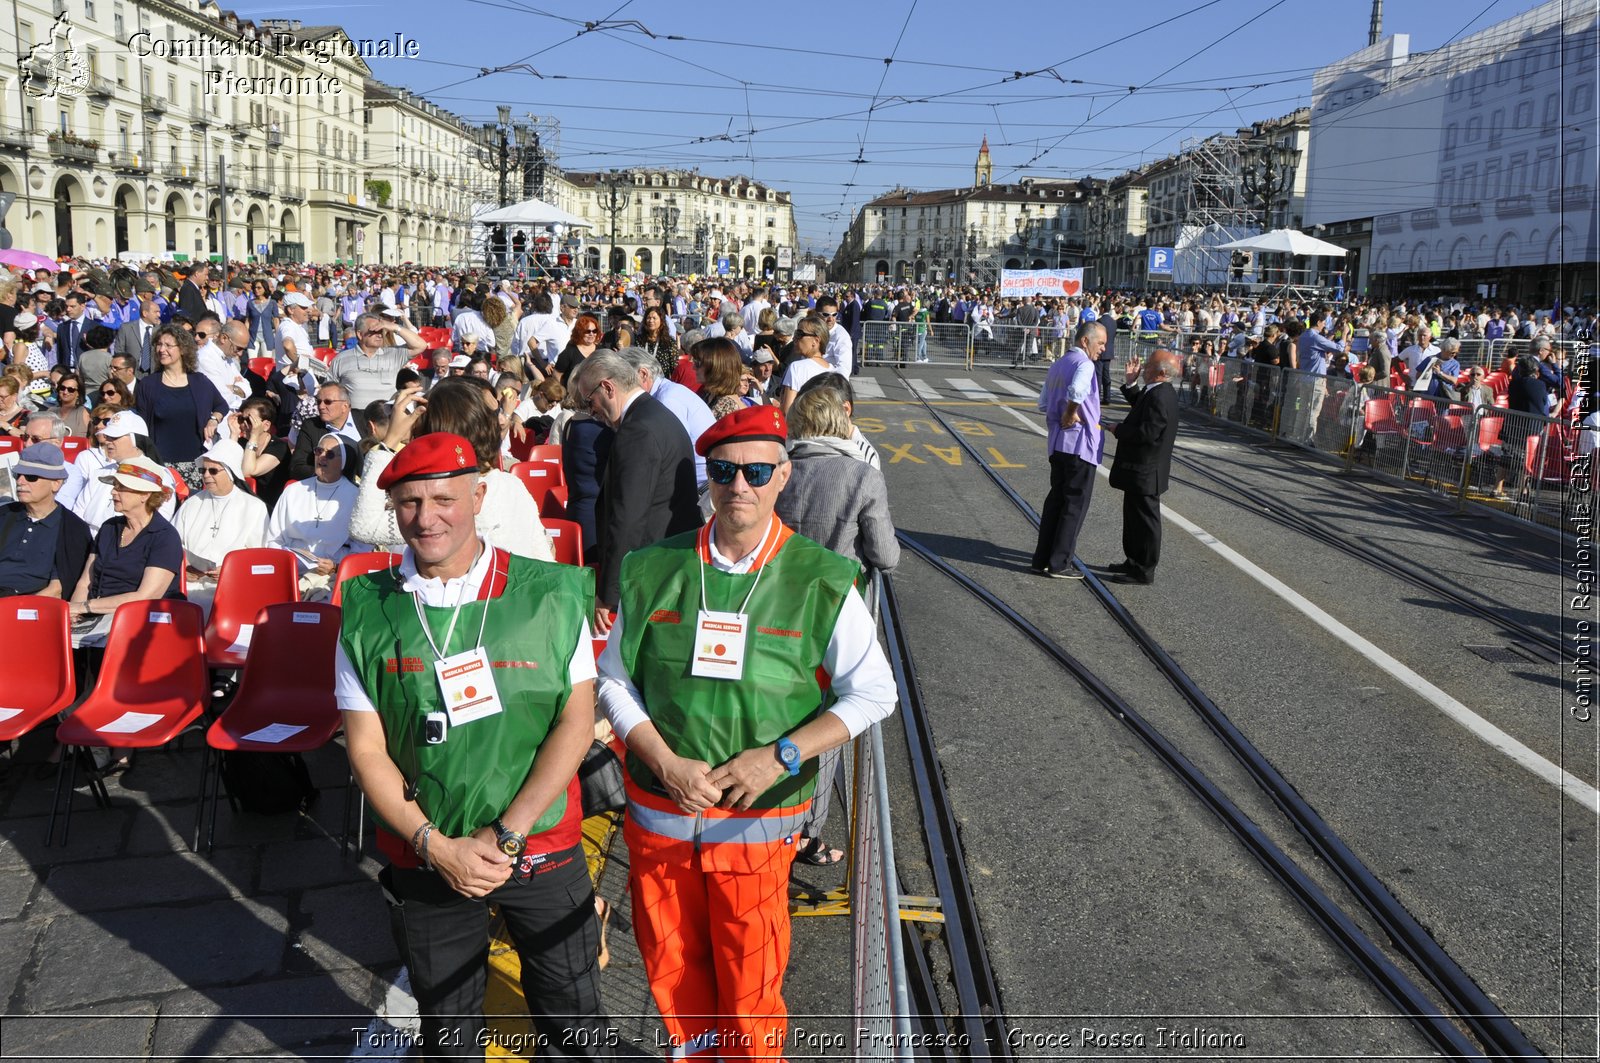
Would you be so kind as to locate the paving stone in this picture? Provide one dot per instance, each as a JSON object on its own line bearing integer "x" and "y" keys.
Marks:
{"x": 16, "y": 948}
{"x": 157, "y": 833}
{"x": 285, "y": 1015}
{"x": 96, "y": 834}
{"x": 172, "y": 878}
{"x": 15, "y": 889}
{"x": 113, "y": 1031}
{"x": 349, "y": 925}
{"x": 90, "y": 958}
{"x": 312, "y": 862}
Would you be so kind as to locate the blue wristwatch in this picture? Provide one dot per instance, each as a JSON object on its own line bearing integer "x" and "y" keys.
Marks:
{"x": 788, "y": 755}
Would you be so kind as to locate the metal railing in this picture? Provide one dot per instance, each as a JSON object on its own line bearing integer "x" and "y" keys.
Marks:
{"x": 879, "y": 992}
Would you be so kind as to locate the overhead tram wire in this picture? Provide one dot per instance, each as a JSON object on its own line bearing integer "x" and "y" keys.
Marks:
{"x": 1473, "y": 1006}
{"x": 866, "y": 128}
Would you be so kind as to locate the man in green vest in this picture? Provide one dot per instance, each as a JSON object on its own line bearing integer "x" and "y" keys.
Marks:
{"x": 466, "y": 721}
{"x": 741, "y": 652}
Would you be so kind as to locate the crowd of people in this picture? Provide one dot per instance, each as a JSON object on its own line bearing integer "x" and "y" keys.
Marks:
{"x": 164, "y": 423}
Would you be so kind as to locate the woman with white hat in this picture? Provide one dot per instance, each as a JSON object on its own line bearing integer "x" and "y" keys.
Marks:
{"x": 126, "y": 437}
{"x": 137, "y": 554}
{"x": 31, "y": 347}
{"x": 222, "y": 517}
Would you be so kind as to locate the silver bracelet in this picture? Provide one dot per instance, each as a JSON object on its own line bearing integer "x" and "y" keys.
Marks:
{"x": 427, "y": 832}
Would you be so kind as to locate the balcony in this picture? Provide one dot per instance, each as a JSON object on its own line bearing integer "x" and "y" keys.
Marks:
{"x": 274, "y": 138}
{"x": 1513, "y": 206}
{"x": 257, "y": 186}
{"x": 177, "y": 174}
{"x": 238, "y": 132}
{"x": 296, "y": 193}
{"x": 1572, "y": 197}
{"x": 199, "y": 119}
{"x": 67, "y": 148}
{"x": 130, "y": 162}
{"x": 15, "y": 141}
{"x": 1466, "y": 213}
{"x": 155, "y": 106}
{"x": 101, "y": 88}
{"x": 1426, "y": 218}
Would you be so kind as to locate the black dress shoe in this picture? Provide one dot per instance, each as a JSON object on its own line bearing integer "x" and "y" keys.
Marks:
{"x": 1120, "y": 566}
{"x": 1129, "y": 577}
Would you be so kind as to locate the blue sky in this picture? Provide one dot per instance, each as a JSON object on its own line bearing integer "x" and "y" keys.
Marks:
{"x": 837, "y": 126}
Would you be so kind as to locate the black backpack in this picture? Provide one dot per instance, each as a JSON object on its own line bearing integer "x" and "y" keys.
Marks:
{"x": 268, "y": 784}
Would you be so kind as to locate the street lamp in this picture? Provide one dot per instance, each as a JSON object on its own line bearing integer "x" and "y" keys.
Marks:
{"x": 616, "y": 202}
{"x": 1061, "y": 238}
{"x": 667, "y": 218}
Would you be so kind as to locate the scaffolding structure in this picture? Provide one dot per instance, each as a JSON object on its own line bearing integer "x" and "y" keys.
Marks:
{"x": 1215, "y": 210}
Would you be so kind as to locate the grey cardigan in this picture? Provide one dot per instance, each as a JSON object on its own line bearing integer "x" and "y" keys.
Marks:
{"x": 835, "y": 498}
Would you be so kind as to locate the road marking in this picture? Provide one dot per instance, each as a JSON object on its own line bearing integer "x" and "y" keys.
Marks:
{"x": 866, "y": 388}
{"x": 971, "y": 390}
{"x": 1027, "y": 422}
{"x": 1479, "y": 727}
{"x": 1015, "y": 387}
{"x": 923, "y": 388}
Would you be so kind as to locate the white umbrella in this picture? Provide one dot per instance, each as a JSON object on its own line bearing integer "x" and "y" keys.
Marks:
{"x": 1285, "y": 241}
{"x": 532, "y": 212}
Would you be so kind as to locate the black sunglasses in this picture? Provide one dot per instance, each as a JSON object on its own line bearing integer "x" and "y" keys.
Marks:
{"x": 756, "y": 473}
{"x": 26, "y": 478}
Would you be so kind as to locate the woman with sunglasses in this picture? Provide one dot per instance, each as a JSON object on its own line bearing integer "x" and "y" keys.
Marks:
{"x": 113, "y": 390}
{"x": 221, "y": 518}
{"x": 69, "y": 404}
{"x": 585, "y": 340}
{"x": 810, "y": 344}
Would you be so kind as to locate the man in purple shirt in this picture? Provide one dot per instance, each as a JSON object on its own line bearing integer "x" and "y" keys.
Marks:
{"x": 1070, "y": 403}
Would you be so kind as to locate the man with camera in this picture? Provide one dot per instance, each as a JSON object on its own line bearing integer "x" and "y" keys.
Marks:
{"x": 465, "y": 726}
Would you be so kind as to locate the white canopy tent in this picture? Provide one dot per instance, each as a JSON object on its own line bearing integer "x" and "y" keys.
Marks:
{"x": 532, "y": 212}
{"x": 1285, "y": 242}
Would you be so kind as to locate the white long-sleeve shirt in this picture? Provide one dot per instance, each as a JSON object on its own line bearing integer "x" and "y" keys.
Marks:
{"x": 861, "y": 678}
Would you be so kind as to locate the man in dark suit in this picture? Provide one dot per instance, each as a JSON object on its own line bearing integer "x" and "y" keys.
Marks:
{"x": 1144, "y": 458}
{"x": 134, "y": 338}
{"x": 333, "y": 415}
{"x": 648, "y": 491}
{"x": 191, "y": 294}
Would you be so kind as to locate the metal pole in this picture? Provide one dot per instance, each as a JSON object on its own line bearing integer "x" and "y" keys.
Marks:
{"x": 222, "y": 211}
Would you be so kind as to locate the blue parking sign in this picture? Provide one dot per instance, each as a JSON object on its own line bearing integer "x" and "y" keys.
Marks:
{"x": 1160, "y": 261}
{"x": 723, "y": 266}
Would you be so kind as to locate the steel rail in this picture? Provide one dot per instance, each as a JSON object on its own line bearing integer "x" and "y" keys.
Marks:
{"x": 1487, "y": 1020}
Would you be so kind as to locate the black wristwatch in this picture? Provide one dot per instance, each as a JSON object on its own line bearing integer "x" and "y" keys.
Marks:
{"x": 511, "y": 843}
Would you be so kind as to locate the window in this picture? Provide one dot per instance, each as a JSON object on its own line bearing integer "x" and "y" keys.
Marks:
{"x": 1450, "y": 134}
{"x": 1467, "y": 188}
{"x": 1576, "y": 174}
{"x": 119, "y": 26}
{"x": 63, "y": 118}
{"x": 1552, "y": 114}
{"x": 1447, "y": 180}
{"x": 1524, "y": 116}
{"x": 1544, "y": 170}
{"x": 1517, "y": 174}
{"x": 1491, "y": 179}
{"x": 1474, "y": 129}
{"x": 1497, "y": 121}
{"x": 1581, "y": 99}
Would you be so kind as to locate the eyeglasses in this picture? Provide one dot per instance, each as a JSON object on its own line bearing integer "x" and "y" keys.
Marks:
{"x": 101, "y": 422}
{"x": 329, "y": 402}
{"x": 212, "y": 472}
{"x": 66, "y": 390}
{"x": 586, "y": 332}
{"x": 756, "y": 473}
{"x": 27, "y": 478}
{"x": 830, "y": 315}
{"x": 588, "y": 400}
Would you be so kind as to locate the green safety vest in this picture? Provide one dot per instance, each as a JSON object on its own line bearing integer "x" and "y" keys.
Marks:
{"x": 792, "y": 615}
{"x": 530, "y": 634}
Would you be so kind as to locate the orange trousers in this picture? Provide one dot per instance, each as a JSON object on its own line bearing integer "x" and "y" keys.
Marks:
{"x": 715, "y": 944}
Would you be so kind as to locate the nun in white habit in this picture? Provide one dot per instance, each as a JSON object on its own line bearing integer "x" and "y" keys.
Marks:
{"x": 220, "y": 518}
{"x": 312, "y": 518}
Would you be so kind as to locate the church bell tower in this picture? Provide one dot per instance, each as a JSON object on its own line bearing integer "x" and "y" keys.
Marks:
{"x": 983, "y": 173}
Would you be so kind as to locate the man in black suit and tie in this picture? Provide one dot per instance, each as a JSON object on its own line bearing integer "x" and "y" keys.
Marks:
{"x": 1144, "y": 458}
{"x": 191, "y": 294}
{"x": 134, "y": 338}
{"x": 648, "y": 491}
{"x": 69, "y": 336}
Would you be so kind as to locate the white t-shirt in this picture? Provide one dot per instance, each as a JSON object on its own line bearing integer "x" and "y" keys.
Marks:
{"x": 801, "y": 370}
{"x": 292, "y": 330}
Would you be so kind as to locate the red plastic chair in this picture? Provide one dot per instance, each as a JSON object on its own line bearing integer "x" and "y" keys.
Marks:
{"x": 262, "y": 367}
{"x": 548, "y": 452}
{"x": 553, "y": 506}
{"x": 353, "y": 565}
{"x": 10, "y": 444}
{"x": 72, "y": 446}
{"x": 324, "y": 354}
{"x": 1378, "y": 416}
{"x": 537, "y": 475}
{"x": 152, "y": 685}
{"x": 180, "y": 489}
{"x": 285, "y": 702}
{"x": 566, "y": 538}
{"x": 250, "y": 581}
{"x": 37, "y": 631}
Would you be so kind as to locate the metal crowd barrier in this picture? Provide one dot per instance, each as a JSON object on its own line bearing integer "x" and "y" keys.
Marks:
{"x": 879, "y": 991}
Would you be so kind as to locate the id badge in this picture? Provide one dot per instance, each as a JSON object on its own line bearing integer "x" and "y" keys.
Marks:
{"x": 719, "y": 645}
{"x": 466, "y": 682}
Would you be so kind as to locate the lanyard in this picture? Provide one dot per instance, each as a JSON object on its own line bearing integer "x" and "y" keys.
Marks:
{"x": 772, "y": 529}
{"x": 449, "y": 632}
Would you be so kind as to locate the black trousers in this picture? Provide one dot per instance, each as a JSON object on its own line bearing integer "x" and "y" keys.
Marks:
{"x": 1071, "y": 485}
{"x": 444, "y": 941}
{"x": 1141, "y": 532}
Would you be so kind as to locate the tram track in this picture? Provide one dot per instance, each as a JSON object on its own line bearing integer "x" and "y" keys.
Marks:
{"x": 1498, "y": 1035}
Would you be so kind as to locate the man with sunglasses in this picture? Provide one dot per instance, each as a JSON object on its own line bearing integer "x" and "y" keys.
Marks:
{"x": 840, "y": 352}
{"x": 713, "y": 677}
{"x": 385, "y": 344}
{"x": 43, "y": 546}
{"x": 648, "y": 491}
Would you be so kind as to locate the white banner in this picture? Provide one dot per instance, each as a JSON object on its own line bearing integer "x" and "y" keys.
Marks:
{"x": 1049, "y": 282}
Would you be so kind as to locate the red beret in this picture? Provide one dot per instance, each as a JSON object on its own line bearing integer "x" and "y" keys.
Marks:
{"x": 749, "y": 424}
{"x": 430, "y": 457}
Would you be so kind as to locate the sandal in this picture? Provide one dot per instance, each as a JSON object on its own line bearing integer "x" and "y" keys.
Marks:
{"x": 815, "y": 852}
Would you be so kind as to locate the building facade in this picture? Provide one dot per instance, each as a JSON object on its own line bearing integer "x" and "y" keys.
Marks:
{"x": 1468, "y": 170}
{"x": 174, "y": 127}
{"x": 651, "y": 220}
{"x": 966, "y": 235}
